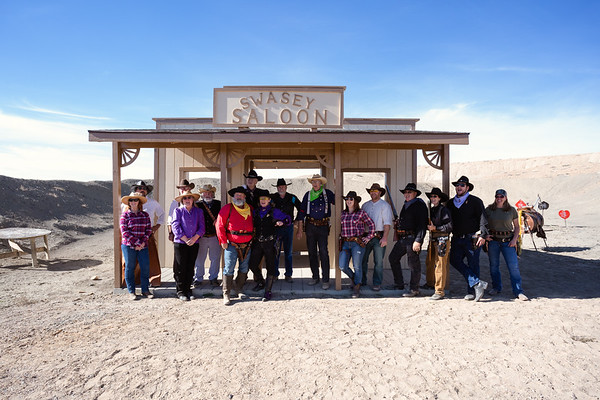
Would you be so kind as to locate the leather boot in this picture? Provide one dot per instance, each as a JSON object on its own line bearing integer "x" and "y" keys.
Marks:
{"x": 356, "y": 291}
{"x": 240, "y": 281}
{"x": 268, "y": 294}
{"x": 227, "y": 285}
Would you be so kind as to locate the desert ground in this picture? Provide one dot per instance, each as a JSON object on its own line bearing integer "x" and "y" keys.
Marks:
{"x": 65, "y": 334}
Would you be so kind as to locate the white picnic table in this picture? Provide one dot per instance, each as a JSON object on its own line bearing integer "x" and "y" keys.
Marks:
{"x": 9, "y": 236}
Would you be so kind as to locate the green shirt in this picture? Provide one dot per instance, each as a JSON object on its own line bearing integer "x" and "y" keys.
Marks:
{"x": 500, "y": 220}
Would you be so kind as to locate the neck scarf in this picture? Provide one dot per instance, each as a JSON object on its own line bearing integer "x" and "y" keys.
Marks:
{"x": 459, "y": 201}
{"x": 314, "y": 195}
{"x": 244, "y": 212}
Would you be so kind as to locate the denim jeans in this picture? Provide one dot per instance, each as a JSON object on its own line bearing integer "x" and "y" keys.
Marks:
{"x": 378, "y": 254}
{"x": 286, "y": 240}
{"x": 318, "y": 236}
{"x": 208, "y": 246}
{"x": 132, "y": 255}
{"x": 352, "y": 249}
{"x": 459, "y": 249}
{"x": 512, "y": 262}
{"x": 230, "y": 256}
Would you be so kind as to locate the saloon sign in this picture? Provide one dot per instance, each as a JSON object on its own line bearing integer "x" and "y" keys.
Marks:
{"x": 279, "y": 106}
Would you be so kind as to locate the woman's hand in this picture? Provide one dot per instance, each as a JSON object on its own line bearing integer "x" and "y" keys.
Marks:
{"x": 279, "y": 223}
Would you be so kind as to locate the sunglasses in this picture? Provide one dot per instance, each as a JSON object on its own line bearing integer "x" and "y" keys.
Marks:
{"x": 461, "y": 184}
{"x": 187, "y": 197}
{"x": 130, "y": 200}
{"x": 499, "y": 196}
{"x": 138, "y": 188}
{"x": 434, "y": 196}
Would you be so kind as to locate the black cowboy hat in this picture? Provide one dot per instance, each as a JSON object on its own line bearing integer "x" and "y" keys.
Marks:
{"x": 149, "y": 188}
{"x": 443, "y": 196}
{"x": 253, "y": 174}
{"x": 352, "y": 195}
{"x": 258, "y": 193}
{"x": 239, "y": 189}
{"x": 411, "y": 186}
{"x": 376, "y": 186}
{"x": 281, "y": 182}
{"x": 464, "y": 179}
{"x": 184, "y": 182}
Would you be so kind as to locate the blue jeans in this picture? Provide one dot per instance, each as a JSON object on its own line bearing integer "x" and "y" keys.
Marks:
{"x": 378, "y": 254}
{"x": 132, "y": 256}
{"x": 352, "y": 249}
{"x": 230, "y": 256}
{"x": 286, "y": 239}
{"x": 512, "y": 262}
{"x": 461, "y": 248}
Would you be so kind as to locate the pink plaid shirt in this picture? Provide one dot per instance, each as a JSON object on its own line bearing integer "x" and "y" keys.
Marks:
{"x": 135, "y": 228}
{"x": 356, "y": 224}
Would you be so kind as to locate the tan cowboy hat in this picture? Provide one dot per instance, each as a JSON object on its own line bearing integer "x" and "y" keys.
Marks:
{"x": 208, "y": 188}
{"x": 196, "y": 196}
{"x": 317, "y": 177}
{"x": 133, "y": 195}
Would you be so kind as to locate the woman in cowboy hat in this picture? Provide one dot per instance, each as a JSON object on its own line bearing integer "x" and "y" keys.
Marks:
{"x": 438, "y": 252}
{"x": 504, "y": 229}
{"x": 357, "y": 230}
{"x": 135, "y": 231}
{"x": 188, "y": 228}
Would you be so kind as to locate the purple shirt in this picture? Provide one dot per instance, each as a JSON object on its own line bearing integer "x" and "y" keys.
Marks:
{"x": 187, "y": 223}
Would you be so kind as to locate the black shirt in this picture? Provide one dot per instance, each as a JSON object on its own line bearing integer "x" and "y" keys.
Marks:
{"x": 209, "y": 222}
{"x": 469, "y": 218}
{"x": 287, "y": 203}
{"x": 414, "y": 218}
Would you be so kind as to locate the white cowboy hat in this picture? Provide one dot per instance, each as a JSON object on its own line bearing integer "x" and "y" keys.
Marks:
{"x": 133, "y": 195}
{"x": 317, "y": 177}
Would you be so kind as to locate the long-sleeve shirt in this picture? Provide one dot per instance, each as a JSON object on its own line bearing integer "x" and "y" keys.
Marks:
{"x": 319, "y": 208}
{"x": 441, "y": 218}
{"x": 380, "y": 212}
{"x": 287, "y": 203}
{"x": 209, "y": 222}
{"x": 414, "y": 218}
{"x": 135, "y": 228}
{"x": 265, "y": 219}
{"x": 187, "y": 223}
{"x": 356, "y": 224}
{"x": 230, "y": 221}
{"x": 469, "y": 218}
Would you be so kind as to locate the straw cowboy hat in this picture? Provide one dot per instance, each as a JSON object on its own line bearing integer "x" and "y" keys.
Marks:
{"x": 352, "y": 195}
{"x": 464, "y": 179}
{"x": 149, "y": 188}
{"x": 411, "y": 186}
{"x": 207, "y": 188}
{"x": 281, "y": 182}
{"x": 196, "y": 196}
{"x": 185, "y": 183}
{"x": 239, "y": 189}
{"x": 133, "y": 195}
{"x": 376, "y": 186}
{"x": 253, "y": 174}
{"x": 317, "y": 177}
{"x": 438, "y": 192}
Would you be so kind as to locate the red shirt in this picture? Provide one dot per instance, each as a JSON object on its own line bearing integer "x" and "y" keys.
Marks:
{"x": 236, "y": 223}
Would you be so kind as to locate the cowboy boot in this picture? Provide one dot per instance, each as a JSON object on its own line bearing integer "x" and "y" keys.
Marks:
{"x": 356, "y": 291}
{"x": 227, "y": 285}
{"x": 268, "y": 294}
{"x": 240, "y": 281}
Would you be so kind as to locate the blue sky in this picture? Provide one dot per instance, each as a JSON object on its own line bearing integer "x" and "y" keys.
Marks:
{"x": 523, "y": 77}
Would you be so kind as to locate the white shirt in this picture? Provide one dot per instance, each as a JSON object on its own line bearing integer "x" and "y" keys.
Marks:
{"x": 174, "y": 205}
{"x": 380, "y": 213}
{"x": 157, "y": 214}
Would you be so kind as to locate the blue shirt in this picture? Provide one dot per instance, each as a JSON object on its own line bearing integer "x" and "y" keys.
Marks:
{"x": 318, "y": 208}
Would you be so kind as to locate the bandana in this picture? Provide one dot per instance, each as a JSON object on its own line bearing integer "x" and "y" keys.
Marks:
{"x": 244, "y": 212}
{"x": 459, "y": 201}
{"x": 314, "y": 195}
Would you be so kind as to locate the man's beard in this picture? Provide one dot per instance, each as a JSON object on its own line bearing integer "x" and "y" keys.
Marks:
{"x": 238, "y": 203}
{"x": 208, "y": 200}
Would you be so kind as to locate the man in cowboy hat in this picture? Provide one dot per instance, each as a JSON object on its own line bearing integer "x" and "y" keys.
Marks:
{"x": 410, "y": 232}
{"x": 184, "y": 186}
{"x": 468, "y": 218}
{"x": 285, "y": 202}
{"x": 440, "y": 226}
{"x": 381, "y": 214}
{"x": 234, "y": 230}
{"x": 157, "y": 218}
{"x": 315, "y": 212}
{"x": 251, "y": 191}
{"x": 208, "y": 244}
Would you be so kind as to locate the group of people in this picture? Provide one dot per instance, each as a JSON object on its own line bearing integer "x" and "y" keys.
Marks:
{"x": 256, "y": 225}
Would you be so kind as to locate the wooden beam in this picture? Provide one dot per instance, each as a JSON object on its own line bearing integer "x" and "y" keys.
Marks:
{"x": 339, "y": 180}
{"x": 446, "y": 169}
{"x": 116, "y": 154}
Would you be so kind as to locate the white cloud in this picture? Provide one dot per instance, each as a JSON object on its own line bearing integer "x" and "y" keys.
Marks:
{"x": 19, "y": 130}
{"x": 500, "y": 136}
{"x": 60, "y": 113}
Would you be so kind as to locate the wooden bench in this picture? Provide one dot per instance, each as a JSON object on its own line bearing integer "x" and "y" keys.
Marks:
{"x": 8, "y": 237}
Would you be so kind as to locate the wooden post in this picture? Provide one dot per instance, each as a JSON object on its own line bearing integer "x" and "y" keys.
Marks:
{"x": 116, "y": 153}
{"x": 338, "y": 213}
{"x": 446, "y": 169}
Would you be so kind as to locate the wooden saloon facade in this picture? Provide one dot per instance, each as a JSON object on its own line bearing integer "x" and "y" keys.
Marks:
{"x": 299, "y": 125}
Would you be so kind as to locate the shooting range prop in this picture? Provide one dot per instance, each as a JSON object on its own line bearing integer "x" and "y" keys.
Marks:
{"x": 531, "y": 222}
{"x": 564, "y": 214}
